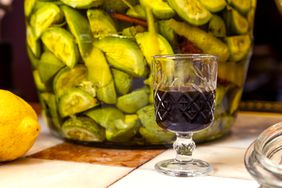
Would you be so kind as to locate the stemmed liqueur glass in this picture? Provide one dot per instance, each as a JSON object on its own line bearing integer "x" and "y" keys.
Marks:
{"x": 184, "y": 100}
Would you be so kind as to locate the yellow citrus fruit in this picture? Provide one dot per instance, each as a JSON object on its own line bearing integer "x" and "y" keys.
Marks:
{"x": 19, "y": 126}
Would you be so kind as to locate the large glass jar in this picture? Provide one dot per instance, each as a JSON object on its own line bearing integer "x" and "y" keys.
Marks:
{"x": 91, "y": 62}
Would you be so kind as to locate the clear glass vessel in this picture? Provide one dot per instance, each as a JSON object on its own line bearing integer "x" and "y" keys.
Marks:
{"x": 91, "y": 61}
{"x": 184, "y": 101}
{"x": 263, "y": 159}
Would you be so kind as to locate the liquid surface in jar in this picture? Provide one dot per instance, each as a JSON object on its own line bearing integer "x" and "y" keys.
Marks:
{"x": 184, "y": 110}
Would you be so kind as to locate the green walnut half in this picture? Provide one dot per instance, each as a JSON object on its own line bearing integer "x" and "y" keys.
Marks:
{"x": 83, "y": 4}
{"x": 62, "y": 44}
{"x": 123, "y": 54}
{"x": 191, "y": 11}
{"x": 83, "y": 129}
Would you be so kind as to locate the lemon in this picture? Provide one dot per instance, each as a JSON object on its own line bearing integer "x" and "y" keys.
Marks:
{"x": 19, "y": 126}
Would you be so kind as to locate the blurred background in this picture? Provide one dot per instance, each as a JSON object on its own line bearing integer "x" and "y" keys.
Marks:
{"x": 15, "y": 70}
{"x": 263, "y": 88}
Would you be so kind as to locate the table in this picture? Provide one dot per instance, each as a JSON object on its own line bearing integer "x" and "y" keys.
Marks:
{"x": 53, "y": 163}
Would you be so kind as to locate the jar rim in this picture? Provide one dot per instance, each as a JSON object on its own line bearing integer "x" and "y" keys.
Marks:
{"x": 267, "y": 137}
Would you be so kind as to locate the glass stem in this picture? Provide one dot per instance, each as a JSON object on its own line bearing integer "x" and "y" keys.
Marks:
{"x": 184, "y": 147}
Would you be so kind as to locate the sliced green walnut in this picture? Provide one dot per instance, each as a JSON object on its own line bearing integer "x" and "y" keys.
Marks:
{"x": 159, "y": 46}
{"x": 49, "y": 65}
{"x": 101, "y": 23}
{"x": 80, "y": 29}
{"x": 39, "y": 4}
{"x": 251, "y": 18}
{"x": 69, "y": 78}
{"x": 52, "y": 105}
{"x": 83, "y": 4}
{"x": 28, "y": 6}
{"x": 88, "y": 86}
{"x": 221, "y": 91}
{"x": 239, "y": 46}
{"x": 123, "y": 54}
{"x": 191, "y": 11}
{"x": 32, "y": 42}
{"x": 235, "y": 98}
{"x": 167, "y": 31}
{"x": 253, "y": 4}
{"x": 119, "y": 5}
{"x": 33, "y": 60}
{"x": 124, "y": 130}
{"x": 150, "y": 49}
{"x": 83, "y": 129}
{"x": 203, "y": 40}
{"x": 107, "y": 94}
{"x": 106, "y": 116}
{"x": 98, "y": 69}
{"x": 236, "y": 76}
{"x": 235, "y": 22}
{"x": 133, "y": 101}
{"x": 133, "y": 30}
{"x": 74, "y": 101}
{"x": 160, "y": 8}
{"x": 214, "y": 5}
{"x": 150, "y": 130}
{"x": 62, "y": 44}
{"x": 243, "y": 6}
{"x": 151, "y": 96}
{"x": 50, "y": 101}
{"x": 137, "y": 12}
{"x": 149, "y": 82}
{"x": 40, "y": 85}
{"x": 100, "y": 75}
{"x": 44, "y": 17}
{"x": 123, "y": 81}
{"x": 217, "y": 26}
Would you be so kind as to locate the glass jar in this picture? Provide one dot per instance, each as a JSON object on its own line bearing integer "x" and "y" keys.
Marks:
{"x": 91, "y": 62}
{"x": 263, "y": 157}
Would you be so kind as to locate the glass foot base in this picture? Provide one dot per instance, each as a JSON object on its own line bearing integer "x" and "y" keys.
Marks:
{"x": 191, "y": 168}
